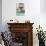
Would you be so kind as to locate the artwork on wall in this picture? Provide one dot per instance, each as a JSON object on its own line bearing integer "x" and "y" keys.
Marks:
{"x": 20, "y": 10}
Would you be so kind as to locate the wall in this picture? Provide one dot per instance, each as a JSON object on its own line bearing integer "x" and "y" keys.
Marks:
{"x": 0, "y": 15}
{"x": 43, "y": 6}
{"x": 32, "y": 10}
{"x": 32, "y": 13}
{"x": 43, "y": 14}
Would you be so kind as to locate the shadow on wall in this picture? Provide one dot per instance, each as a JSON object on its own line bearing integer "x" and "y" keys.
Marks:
{"x": 43, "y": 6}
{"x": 0, "y": 15}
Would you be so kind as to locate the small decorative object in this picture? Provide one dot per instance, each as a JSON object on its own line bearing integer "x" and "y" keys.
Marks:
{"x": 14, "y": 21}
{"x": 41, "y": 36}
{"x": 11, "y": 20}
{"x": 20, "y": 9}
{"x": 27, "y": 21}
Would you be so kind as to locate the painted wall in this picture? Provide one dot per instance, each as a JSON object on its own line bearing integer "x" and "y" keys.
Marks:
{"x": 43, "y": 14}
{"x": 43, "y": 6}
{"x": 32, "y": 13}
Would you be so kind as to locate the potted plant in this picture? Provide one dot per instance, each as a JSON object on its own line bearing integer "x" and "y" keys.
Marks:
{"x": 41, "y": 36}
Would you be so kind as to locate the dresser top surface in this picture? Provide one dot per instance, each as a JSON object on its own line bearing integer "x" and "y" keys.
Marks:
{"x": 19, "y": 23}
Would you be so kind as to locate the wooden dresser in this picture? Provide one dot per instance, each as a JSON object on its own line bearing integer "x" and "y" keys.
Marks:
{"x": 22, "y": 33}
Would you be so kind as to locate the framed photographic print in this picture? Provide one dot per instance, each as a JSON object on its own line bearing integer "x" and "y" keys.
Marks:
{"x": 20, "y": 10}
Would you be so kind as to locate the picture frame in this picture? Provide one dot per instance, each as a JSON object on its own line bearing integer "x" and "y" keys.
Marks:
{"x": 20, "y": 10}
